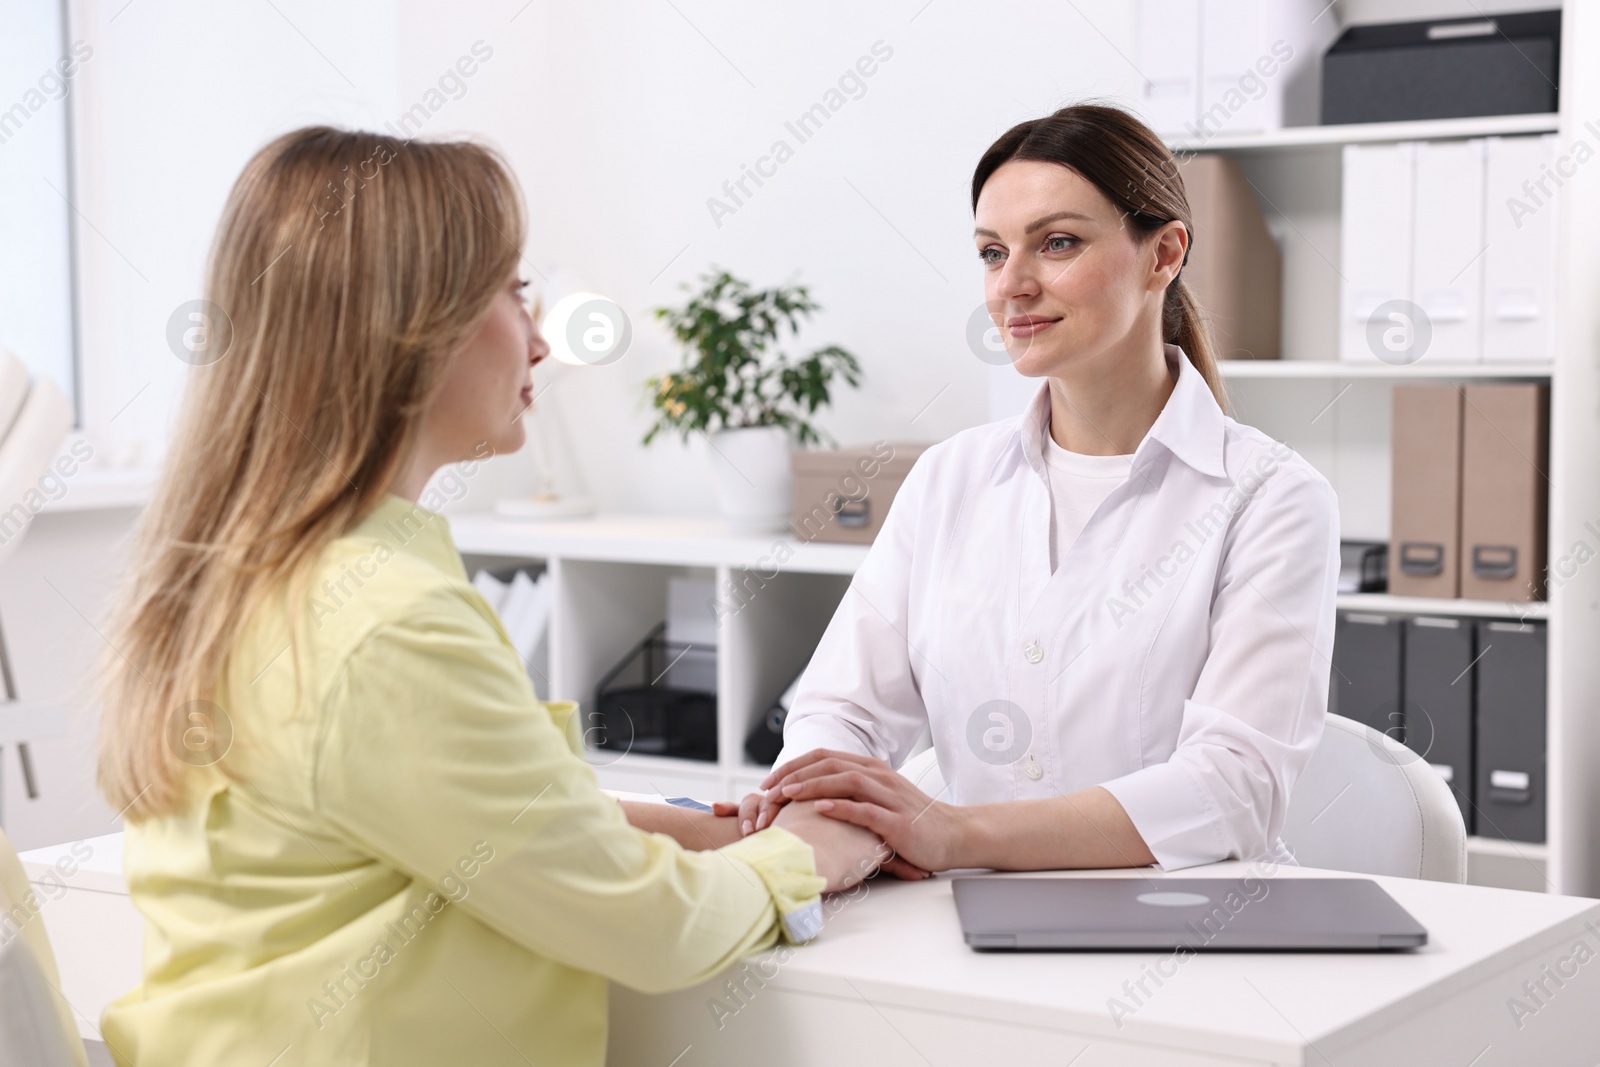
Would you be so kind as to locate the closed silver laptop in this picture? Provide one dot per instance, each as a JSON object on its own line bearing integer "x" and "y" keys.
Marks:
{"x": 1200, "y": 914}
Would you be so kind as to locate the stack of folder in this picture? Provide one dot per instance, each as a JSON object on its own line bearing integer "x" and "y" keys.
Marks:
{"x": 1468, "y": 516}
{"x": 1467, "y": 695}
{"x": 1462, "y": 231}
{"x": 523, "y": 604}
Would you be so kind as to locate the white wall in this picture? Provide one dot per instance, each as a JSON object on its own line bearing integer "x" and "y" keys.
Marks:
{"x": 177, "y": 96}
{"x": 53, "y": 595}
{"x": 623, "y": 120}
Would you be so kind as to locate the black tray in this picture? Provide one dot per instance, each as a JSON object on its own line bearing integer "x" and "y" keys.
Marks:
{"x": 636, "y": 710}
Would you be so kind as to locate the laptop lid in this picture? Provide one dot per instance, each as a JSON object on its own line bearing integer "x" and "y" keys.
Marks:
{"x": 1200, "y": 914}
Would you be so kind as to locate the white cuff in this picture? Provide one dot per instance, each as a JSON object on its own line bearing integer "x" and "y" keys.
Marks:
{"x": 803, "y": 923}
{"x": 1173, "y": 813}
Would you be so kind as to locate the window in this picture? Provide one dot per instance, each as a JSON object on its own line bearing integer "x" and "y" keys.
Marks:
{"x": 36, "y": 217}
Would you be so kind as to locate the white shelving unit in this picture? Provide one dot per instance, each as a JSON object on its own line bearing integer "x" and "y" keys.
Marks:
{"x": 1337, "y": 415}
{"x": 1298, "y": 138}
{"x": 1422, "y": 605}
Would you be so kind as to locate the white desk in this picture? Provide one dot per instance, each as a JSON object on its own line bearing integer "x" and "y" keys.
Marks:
{"x": 891, "y": 983}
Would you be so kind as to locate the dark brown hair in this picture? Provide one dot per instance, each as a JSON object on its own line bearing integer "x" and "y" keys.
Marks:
{"x": 1127, "y": 162}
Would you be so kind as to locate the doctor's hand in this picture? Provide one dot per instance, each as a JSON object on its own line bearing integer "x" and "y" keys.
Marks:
{"x": 757, "y": 810}
{"x": 753, "y": 812}
{"x": 867, "y": 792}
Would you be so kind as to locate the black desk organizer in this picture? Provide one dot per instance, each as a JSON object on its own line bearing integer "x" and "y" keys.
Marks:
{"x": 636, "y": 710}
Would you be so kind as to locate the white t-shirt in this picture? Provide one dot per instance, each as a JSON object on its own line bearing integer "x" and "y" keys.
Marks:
{"x": 1077, "y": 485}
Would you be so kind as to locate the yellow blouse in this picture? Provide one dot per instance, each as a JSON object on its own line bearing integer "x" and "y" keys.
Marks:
{"x": 410, "y": 864}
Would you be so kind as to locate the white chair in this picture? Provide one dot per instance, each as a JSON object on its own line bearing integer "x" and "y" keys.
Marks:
{"x": 1364, "y": 803}
{"x": 35, "y": 1020}
{"x": 1367, "y": 803}
{"x": 34, "y": 421}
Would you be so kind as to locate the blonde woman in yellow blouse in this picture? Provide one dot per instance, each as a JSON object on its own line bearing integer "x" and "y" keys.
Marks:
{"x": 355, "y": 833}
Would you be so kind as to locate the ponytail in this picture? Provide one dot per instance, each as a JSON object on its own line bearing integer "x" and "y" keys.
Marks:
{"x": 1183, "y": 323}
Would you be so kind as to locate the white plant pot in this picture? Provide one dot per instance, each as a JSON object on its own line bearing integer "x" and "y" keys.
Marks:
{"x": 754, "y": 483}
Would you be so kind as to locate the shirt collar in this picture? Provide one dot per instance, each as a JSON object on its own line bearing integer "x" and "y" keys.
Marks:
{"x": 411, "y": 528}
{"x": 1191, "y": 425}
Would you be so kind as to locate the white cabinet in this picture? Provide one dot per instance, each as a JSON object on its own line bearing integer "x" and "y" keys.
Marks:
{"x": 774, "y": 597}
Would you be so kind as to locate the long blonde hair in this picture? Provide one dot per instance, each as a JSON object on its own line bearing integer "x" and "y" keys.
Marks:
{"x": 347, "y": 269}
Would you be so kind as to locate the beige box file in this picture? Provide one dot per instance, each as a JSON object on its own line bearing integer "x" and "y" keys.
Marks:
{"x": 1425, "y": 510}
{"x": 1504, "y": 468}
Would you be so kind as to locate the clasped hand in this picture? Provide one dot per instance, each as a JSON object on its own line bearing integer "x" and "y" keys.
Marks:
{"x": 868, "y": 793}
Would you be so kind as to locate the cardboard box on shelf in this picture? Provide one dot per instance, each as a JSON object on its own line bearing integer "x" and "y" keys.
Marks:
{"x": 843, "y": 494}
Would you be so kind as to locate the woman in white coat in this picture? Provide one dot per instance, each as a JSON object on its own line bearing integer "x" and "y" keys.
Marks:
{"x": 1116, "y": 611}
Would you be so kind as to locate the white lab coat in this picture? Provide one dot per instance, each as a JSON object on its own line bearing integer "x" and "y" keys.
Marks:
{"x": 1179, "y": 655}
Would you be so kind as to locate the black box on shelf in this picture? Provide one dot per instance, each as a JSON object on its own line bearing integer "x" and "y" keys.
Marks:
{"x": 1438, "y": 701}
{"x": 1443, "y": 69}
{"x": 1466, "y": 695}
{"x": 1509, "y": 683}
{"x": 765, "y": 740}
{"x": 639, "y": 709}
{"x": 1363, "y": 566}
{"x": 1366, "y": 681}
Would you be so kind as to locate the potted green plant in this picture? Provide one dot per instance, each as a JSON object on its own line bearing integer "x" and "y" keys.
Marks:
{"x": 749, "y": 399}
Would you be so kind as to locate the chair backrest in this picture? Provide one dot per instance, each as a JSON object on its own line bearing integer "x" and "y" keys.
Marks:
{"x": 1367, "y": 803}
{"x": 35, "y": 1020}
{"x": 1364, "y": 803}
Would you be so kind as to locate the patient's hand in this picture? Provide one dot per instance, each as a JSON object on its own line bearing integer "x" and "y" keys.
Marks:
{"x": 845, "y": 854}
{"x": 692, "y": 829}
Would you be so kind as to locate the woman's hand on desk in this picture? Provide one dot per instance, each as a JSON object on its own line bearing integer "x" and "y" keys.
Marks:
{"x": 868, "y": 793}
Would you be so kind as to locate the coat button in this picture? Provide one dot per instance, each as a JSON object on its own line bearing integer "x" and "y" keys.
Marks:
{"x": 1032, "y": 769}
{"x": 1033, "y": 651}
